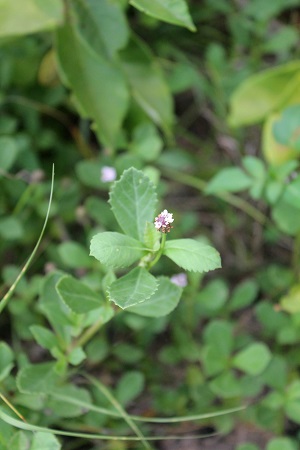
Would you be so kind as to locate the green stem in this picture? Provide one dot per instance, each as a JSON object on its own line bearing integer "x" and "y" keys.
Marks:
{"x": 12, "y": 288}
{"x": 160, "y": 251}
{"x": 233, "y": 200}
{"x": 88, "y": 334}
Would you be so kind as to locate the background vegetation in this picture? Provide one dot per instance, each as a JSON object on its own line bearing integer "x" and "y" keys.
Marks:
{"x": 203, "y": 97}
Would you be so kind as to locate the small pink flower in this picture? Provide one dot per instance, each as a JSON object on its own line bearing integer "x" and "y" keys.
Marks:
{"x": 180, "y": 279}
{"x": 163, "y": 220}
{"x": 108, "y": 174}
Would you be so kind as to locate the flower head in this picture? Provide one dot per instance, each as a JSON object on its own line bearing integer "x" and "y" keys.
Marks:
{"x": 180, "y": 279}
{"x": 163, "y": 220}
{"x": 108, "y": 174}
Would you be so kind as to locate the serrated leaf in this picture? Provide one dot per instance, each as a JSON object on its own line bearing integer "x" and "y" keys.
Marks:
{"x": 37, "y": 378}
{"x": 231, "y": 179}
{"x": 116, "y": 249}
{"x": 172, "y": 11}
{"x": 77, "y": 295}
{"x": 134, "y": 288}
{"x": 162, "y": 302}
{"x": 98, "y": 85}
{"x": 149, "y": 88}
{"x": 192, "y": 255}
{"x": 35, "y": 15}
{"x": 133, "y": 200}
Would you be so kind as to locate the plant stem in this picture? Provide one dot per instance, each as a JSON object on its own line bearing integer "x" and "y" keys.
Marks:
{"x": 160, "y": 251}
{"x": 200, "y": 184}
{"x": 88, "y": 334}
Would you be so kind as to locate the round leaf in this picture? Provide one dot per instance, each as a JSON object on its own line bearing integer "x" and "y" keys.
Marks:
{"x": 254, "y": 359}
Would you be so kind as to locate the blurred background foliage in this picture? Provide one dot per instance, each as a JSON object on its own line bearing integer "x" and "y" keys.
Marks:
{"x": 204, "y": 97}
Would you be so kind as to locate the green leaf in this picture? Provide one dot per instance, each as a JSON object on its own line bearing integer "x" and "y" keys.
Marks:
{"x": 263, "y": 93}
{"x": 133, "y": 200}
{"x": 98, "y": 85}
{"x": 39, "y": 378}
{"x": 226, "y": 385}
{"x": 44, "y": 337}
{"x": 286, "y": 218}
{"x": 54, "y": 308}
{"x": 243, "y": 295}
{"x": 115, "y": 249}
{"x": 19, "y": 441}
{"x": 149, "y": 88}
{"x": 35, "y": 15}
{"x": 253, "y": 359}
{"x": 45, "y": 441}
{"x": 162, "y": 302}
{"x": 135, "y": 287}
{"x": 291, "y": 301}
{"x": 286, "y": 128}
{"x": 77, "y": 295}
{"x": 247, "y": 446}
{"x": 8, "y": 151}
{"x": 11, "y": 228}
{"x": 74, "y": 255}
{"x": 281, "y": 443}
{"x": 231, "y": 179}
{"x": 129, "y": 387}
{"x": 219, "y": 334}
{"x": 146, "y": 142}
{"x": 172, "y": 11}
{"x": 192, "y": 255}
{"x": 291, "y": 193}
{"x": 6, "y": 360}
{"x": 62, "y": 396}
{"x": 214, "y": 360}
{"x": 212, "y": 297}
{"x": 103, "y": 24}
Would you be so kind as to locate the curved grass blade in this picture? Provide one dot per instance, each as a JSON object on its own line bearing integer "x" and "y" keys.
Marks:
{"x": 117, "y": 415}
{"x": 12, "y": 288}
{"x": 104, "y": 437}
{"x": 120, "y": 409}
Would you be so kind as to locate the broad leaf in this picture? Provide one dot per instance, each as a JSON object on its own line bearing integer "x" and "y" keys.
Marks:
{"x": 263, "y": 93}
{"x": 116, "y": 249}
{"x": 129, "y": 387}
{"x": 103, "y": 24}
{"x": 172, "y": 11}
{"x": 162, "y": 302}
{"x": 45, "y": 441}
{"x": 192, "y": 255}
{"x": 253, "y": 359}
{"x": 33, "y": 16}
{"x": 39, "y": 378}
{"x": 231, "y": 179}
{"x": 133, "y": 200}
{"x": 149, "y": 88}
{"x": 44, "y": 337}
{"x": 8, "y": 152}
{"x": 77, "y": 295}
{"x": 134, "y": 288}
{"x": 98, "y": 85}
{"x": 74, "y": 255}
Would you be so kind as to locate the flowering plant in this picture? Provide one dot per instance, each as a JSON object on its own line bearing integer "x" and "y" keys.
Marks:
{"x": 143, "y": 242}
